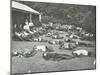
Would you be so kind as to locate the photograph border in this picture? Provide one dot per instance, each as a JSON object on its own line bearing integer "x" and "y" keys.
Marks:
{"x": 50, "y": 71}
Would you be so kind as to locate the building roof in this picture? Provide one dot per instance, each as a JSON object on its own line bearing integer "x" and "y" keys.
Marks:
{"x": 21, "y": 6}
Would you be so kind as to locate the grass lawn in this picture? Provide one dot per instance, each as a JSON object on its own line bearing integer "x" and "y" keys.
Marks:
{"x": 38, "y": 64}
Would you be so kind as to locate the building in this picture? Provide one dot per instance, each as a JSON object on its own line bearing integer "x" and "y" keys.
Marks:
{"x": 21, "y": 12}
